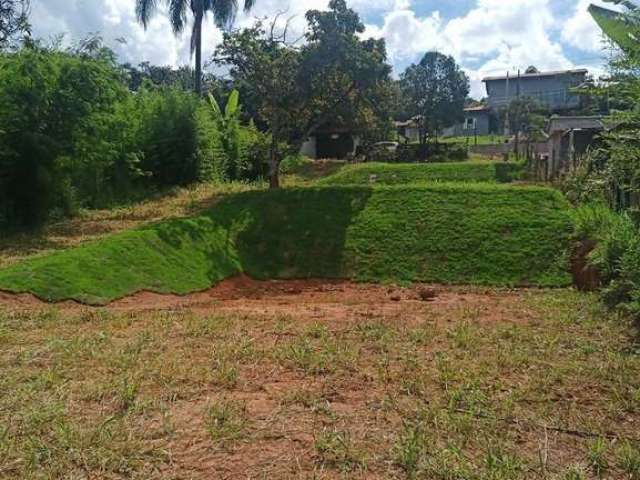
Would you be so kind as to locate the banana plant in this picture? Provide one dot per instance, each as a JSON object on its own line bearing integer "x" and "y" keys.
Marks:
{"x": 228, "y": 125}
{"x": 622, "y": 27}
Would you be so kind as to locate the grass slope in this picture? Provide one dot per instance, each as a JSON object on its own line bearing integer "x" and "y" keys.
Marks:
{"x": 395, "y": 174}
{"x": 479, "y": 234}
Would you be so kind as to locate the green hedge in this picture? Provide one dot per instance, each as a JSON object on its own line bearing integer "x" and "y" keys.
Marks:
{"x": 396, "y": 174}
{"x": 473, "y": 234}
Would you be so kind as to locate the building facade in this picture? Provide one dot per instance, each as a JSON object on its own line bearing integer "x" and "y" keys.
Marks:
{"x": 552, "y": 90}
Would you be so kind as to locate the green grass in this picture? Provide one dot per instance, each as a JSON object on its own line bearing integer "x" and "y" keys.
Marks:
{"x": 395, "y": 174}
{"x": 471, "y": 140}
{"x": 449, "y": 233}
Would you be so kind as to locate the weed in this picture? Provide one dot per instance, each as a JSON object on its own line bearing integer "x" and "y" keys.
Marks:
{"x": 596, "y": 457}
{"x": 629, "y": 460}
{"x": 226, "y": 421}
{"x": 335, "y": 449}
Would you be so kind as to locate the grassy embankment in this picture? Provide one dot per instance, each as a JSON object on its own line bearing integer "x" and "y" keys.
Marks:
{"x": 449, "y": 233}
{"x": 392, "y": 174}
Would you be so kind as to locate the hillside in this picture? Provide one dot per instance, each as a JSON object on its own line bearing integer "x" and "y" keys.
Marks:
{"x": 395, "y": 174}
{"x": 448, "y": 233}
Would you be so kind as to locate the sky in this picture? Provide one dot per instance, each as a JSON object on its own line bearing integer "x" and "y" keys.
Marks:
{"x": 486, "y": 37}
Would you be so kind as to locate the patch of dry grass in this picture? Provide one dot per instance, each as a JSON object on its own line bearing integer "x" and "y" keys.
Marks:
{"x": 550, "y": 389}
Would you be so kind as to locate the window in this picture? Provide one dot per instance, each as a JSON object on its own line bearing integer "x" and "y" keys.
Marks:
{"x": 470, "y": 123}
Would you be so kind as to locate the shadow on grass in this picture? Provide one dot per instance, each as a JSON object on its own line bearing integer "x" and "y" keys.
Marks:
{"x": 288, "y": 233}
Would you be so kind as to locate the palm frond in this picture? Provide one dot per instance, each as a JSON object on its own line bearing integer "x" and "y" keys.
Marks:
{"x": 145, "y": 10}
{"x": 249, "y": 4}
{"x": 224, "y": 12}
{"x": 178, "y": 14}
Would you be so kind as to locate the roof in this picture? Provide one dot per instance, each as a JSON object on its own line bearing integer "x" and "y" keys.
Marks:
{"x": 556, "y": 73}
{"x": 478, "y": 108}
{"x": 562, "y": 124}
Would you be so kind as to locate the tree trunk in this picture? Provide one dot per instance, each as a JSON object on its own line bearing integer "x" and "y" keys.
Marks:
{"x": 274, "y": 164}
{"x": 198, "y": 46}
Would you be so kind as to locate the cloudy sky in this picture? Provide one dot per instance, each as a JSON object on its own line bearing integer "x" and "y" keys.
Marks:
{"x": 486, "y": 37}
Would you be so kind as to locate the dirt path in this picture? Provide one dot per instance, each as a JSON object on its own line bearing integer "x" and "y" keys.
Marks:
{"x": 311, "y": 299}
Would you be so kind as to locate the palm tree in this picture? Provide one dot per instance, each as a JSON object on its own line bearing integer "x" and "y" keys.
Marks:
{"x": 224, "y": 13}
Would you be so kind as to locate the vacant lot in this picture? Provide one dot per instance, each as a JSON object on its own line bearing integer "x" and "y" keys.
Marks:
{"x": 320, "y": 380}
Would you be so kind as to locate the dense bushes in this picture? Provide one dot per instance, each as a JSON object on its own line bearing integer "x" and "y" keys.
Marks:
{"x": 72, "y": 135}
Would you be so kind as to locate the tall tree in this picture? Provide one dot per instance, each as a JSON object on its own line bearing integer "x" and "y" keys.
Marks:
{"x": 436, "y": 90}
{"x": 14, "y": 20}
{"x": 334, "y": 79}
{"x": 223, "y": 11}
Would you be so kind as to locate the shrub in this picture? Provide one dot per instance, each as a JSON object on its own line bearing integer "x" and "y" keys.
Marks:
{"x": 616, "y": 255}
{"x": 54, "y": 108}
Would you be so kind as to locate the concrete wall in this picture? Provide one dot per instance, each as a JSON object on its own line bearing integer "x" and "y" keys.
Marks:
{"x": 474, "y": 123}
{"x": 308, "y": 148}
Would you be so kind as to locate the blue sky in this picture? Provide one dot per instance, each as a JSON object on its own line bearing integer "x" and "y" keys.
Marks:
{"x": 486, "y": 37}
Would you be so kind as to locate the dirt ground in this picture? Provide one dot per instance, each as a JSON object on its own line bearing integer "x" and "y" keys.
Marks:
{"x": 319, "y": 379}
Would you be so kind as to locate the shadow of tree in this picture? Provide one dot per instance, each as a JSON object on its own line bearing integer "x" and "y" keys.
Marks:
{"x": 289, "y": 233}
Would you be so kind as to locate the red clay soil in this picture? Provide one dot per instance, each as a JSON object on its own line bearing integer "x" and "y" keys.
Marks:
{"x": 311, "y": 299}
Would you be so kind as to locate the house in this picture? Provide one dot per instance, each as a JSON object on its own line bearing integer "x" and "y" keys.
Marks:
{"x": 331, "y": 143}
{"x": 409, "y": 130}
{"x": 569, "y": 139}
{"x": 551, "y": 89}
{"x": 477, "y": 120}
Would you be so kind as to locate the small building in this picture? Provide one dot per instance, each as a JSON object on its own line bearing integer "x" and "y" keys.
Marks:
{"x": 553, "y": 89}
{"x": 569, "y": 140}
{"x": 477, "y": 121}
{"x": 336, "y": 144}
{"x": 409, "y": 130}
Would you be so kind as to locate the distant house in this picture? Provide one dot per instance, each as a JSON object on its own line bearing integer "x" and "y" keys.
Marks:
{"x": 551, "y": 89}
{"x": 477, "y": 121}
{"x": 331, "y": 143}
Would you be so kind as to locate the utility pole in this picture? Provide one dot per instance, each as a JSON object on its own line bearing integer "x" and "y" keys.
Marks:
{"x": 517, "y": 142}
{"x": 506, "y": 121}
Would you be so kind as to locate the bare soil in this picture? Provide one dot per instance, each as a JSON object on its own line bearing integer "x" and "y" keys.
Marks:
{"x": 322, "y": 379}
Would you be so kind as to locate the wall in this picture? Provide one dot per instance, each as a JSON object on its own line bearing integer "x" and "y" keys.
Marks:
{"x": 308, "y": 148}
{"x": 550, "y": 91}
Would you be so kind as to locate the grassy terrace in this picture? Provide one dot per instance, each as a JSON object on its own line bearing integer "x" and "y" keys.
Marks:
{"x": 393, "y": 174}
{"x": 448, "y": 233}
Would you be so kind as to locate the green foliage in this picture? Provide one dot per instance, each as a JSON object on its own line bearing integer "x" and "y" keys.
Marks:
{"x": 74, "y": 136}
{"x": 396, "y": 174}
{"x": 435, "y": 91}
{"x": 616, "y": 256}
{"x": 450, "y": 233}
{"x": 239, "y": 151}
{"x": 58, "y": 111}
{"x": 167, "y": 135}
{"x": 335, "y": 79}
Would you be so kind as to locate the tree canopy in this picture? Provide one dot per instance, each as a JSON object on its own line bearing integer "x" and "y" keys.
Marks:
{"x": 435, "y": 92}
{"x": 333, "y": 79}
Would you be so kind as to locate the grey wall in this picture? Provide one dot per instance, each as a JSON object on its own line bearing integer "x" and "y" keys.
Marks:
{"x": 459, "y": 130}
{"x": 553, "y": 92}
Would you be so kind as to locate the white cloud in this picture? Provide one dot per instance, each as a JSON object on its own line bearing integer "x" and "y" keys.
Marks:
{"x": 581, "y": 31}
{"x": 494, "y": 36}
